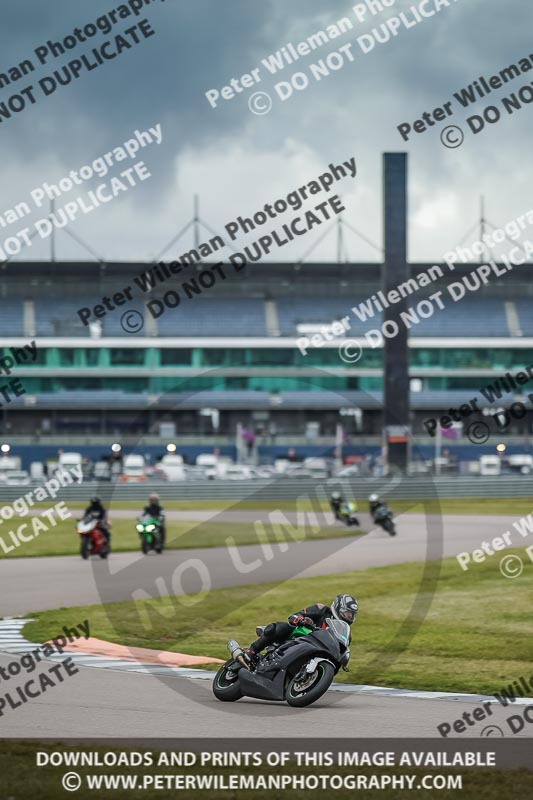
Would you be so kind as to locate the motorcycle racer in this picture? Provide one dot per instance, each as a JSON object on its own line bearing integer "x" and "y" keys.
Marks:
{"x": 155, "y": 509}
{"x": 336, "y": 502}
{"x": 344, "y": 607}
{"x": 96, "y": 509}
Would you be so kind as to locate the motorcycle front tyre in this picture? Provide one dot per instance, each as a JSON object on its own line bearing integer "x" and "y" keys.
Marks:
{"x": 299, "y": 699}
{"x": 84, "y": 547}
{"x": 223, "y": 689}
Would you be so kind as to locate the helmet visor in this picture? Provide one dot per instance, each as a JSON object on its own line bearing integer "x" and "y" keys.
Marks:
{"x": 347, "y": 614}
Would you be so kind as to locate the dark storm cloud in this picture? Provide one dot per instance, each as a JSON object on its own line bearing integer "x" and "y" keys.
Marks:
{"x": 161, "y": 78}
{"x": 203, "y": 44}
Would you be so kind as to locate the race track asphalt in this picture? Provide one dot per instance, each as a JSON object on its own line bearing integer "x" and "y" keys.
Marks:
{"x": 105, "y": 703}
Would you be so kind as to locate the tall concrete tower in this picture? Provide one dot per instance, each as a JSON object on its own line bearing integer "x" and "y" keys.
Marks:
{"x": 395, "y": 271}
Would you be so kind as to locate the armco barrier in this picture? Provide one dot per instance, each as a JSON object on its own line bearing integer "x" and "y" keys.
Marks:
{"x": 285, "y": 489}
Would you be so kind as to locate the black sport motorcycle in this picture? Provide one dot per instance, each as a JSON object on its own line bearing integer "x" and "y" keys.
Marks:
{"x": 299, "y": 670}
{"x": 382, "y": 516}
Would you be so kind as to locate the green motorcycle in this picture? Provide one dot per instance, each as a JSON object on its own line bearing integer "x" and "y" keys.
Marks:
{"x": 149, "y": 529}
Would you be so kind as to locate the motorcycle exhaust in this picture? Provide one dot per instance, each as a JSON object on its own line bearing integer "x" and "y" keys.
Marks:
{"x": 237, "y": 654}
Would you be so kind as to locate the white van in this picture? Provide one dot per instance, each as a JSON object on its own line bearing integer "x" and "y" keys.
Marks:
{"x": 522, "y": 464}
{"x": 19, "y": 477}
{"x": 67, "y": 460}
{"x": 8, "y": 464}
{"x": 318, "y": 467}
{"x": 134, "y": 469}
{"x": 214, "y": 466}
{"x": 37, "y": 470}
{"x": 490, "y": 465}
{"x": 173, "y": 467}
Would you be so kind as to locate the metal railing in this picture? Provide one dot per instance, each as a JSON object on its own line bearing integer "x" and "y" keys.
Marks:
{"x": 284, "y": 488}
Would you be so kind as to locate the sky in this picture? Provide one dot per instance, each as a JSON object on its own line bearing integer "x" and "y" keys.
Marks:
{"x": 235, "y": 160}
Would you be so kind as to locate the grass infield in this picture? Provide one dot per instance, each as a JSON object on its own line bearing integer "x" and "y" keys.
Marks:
{"x": 447, "y": 505}
{"x": 63, "y": 540}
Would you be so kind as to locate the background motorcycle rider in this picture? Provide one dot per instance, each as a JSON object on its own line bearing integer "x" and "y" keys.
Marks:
{"x": 155, "y": 509}
{"x": 336, "y": 502}
{"x": 96, "y": 508}
{"x": 344, "y": 607}
{"x": 374, "y": 502}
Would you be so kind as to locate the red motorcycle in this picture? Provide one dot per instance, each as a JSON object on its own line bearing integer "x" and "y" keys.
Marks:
{"x": 93, "y": 541}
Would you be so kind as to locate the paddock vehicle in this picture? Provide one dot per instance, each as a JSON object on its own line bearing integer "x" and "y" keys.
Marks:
{"x": 92, "y": 539}
{"x": 299, "y": 670}
{"x": 134, "y": 470}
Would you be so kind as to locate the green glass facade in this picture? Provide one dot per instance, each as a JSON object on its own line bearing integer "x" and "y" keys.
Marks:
{"x": 100, "y": 366}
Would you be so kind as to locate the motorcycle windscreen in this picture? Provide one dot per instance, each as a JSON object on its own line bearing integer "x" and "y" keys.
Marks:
{"x": 339, "y": 629}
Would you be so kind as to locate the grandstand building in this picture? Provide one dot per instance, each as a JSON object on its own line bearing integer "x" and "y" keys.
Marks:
{"x": 235, "y": 348}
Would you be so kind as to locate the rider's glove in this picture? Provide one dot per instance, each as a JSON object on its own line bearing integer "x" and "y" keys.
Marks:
{"x": 251, "y": 656}
{"x": 296, "y": 619}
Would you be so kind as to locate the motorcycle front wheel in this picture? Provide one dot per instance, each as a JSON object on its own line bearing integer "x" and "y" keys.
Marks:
{"x": 226, "y": 689}
{"x": 389, "y": 527}
{"x": 84, "y": 547}
{"x": 302, "y": 692}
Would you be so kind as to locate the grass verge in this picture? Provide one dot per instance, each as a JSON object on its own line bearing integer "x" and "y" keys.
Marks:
{"x": 62, "y": 540}
{"x": 476, "y": 636}
{"x": 447, "y": 505}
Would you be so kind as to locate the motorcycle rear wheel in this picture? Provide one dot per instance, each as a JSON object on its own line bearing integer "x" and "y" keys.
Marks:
{"x": 298, "y": 696}
{"x": 223, "y": 689}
